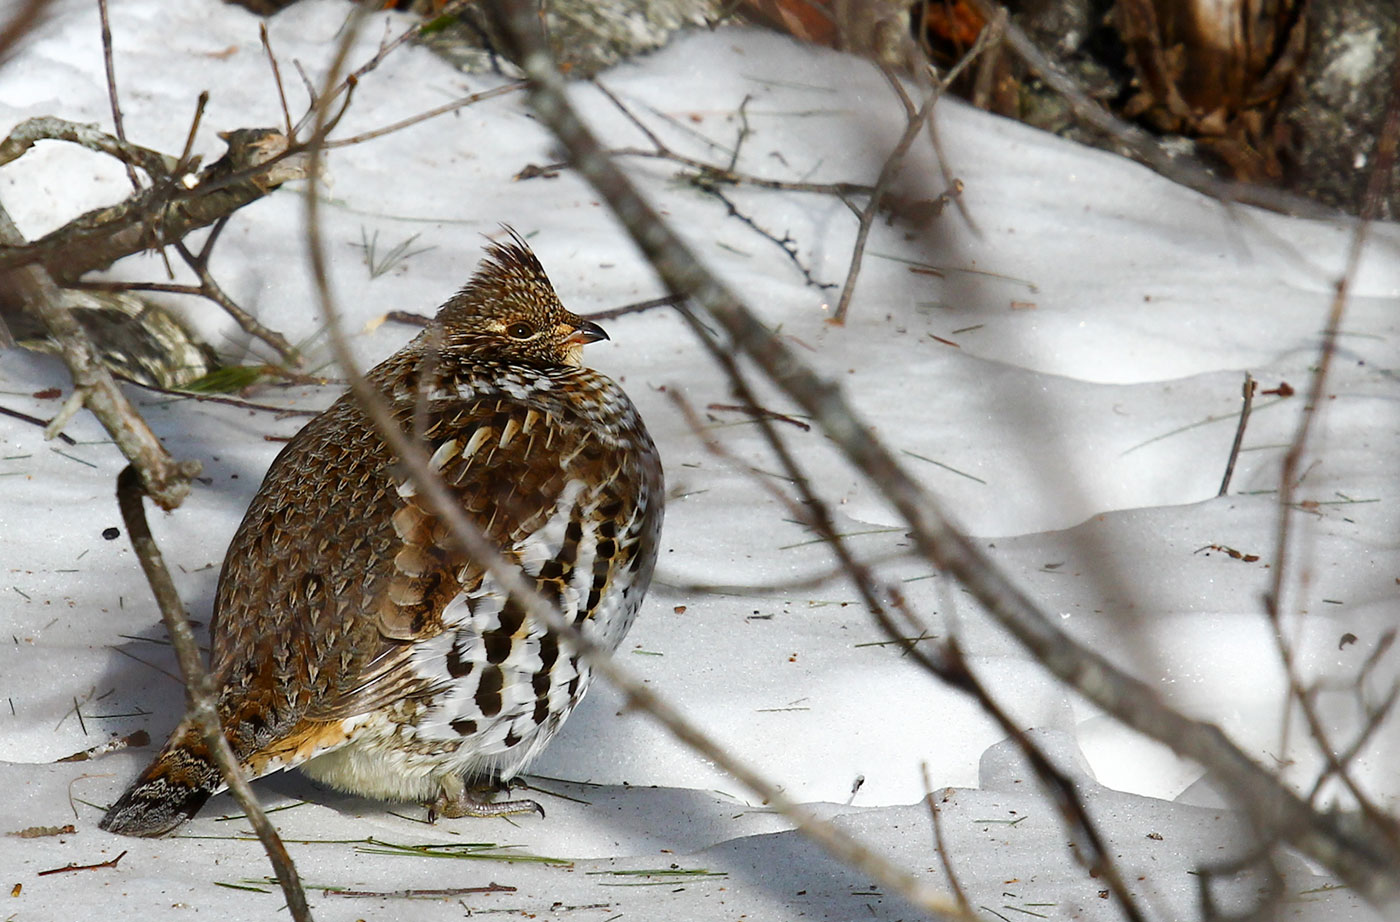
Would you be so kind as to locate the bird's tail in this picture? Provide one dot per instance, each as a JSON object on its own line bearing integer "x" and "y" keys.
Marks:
{"x": 171, "y": 789}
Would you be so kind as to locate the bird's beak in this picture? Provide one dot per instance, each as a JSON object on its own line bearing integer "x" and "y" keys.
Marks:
{"x": 587, "y": 332}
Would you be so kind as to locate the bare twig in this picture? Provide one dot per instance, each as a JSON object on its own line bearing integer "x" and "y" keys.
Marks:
{"x": 757, "y": 411}
{"x": 64, "y": 437}
{"x": 768, "y": 587}
{"x": 1095, "y": 856}
{"x": 744, "y": 131}
{"x": 424, "y": 116}
{"x": 346, "y": 86}
{"x": 637, "y": 308}
{"x": 707, "y": 174}
{"x": 187, "y": 159}
{"x": 111, "y": 69}
{"x": 987, "y": 48}
{"x": 912, "y": 129}
{"x": 987, "y": 67}
{"x": 226, "y": 401}
{"x": 1376, "y": 715}
{"x": 784, "y": 243}
{"x": 1350, "y": 846}
{"x": 940, "y": 846}
{"x": 209, "y": 288}
{"x": 47, "y": 128}
{"x": 276, "y": 79}
{"x": 1249, "y": 387}
{"x": 139, "y": 738}
{"x": 109, "y": 863}
{"x": 178, "y": 201}
{"x": 1270, "y": 893}
{"x": 201, "y": 694}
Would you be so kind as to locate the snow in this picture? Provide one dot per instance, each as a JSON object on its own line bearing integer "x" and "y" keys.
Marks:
{"x": 1103, "y": 321}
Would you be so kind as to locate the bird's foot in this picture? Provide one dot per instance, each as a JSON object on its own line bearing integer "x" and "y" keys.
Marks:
{"x": 458, "y": 799}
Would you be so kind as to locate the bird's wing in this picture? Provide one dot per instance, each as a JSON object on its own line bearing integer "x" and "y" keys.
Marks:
{"x": 558, "y": 496}
{"x": 340, "y": 568}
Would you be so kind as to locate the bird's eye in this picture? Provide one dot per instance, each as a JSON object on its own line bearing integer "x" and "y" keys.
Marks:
{"x": 520, "y": 331}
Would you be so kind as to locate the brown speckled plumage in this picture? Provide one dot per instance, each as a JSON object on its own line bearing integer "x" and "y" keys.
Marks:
{"x": 350, "y": 638}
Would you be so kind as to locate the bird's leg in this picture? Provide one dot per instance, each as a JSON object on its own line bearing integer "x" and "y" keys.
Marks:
{"x": 461, "y": 799}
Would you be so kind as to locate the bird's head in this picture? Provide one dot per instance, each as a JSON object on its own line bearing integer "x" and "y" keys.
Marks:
{"x": 509, "y": 311}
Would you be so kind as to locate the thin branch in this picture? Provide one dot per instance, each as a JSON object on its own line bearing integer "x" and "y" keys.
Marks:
{"x": 912, "y": 129}
{"x": 419, "y": 894}
{"x": 706, "y": 173}
{"x": 1270, "y": 893}
{"x": 1249, "y": 387}
{"x": 988, "y": 42}
{"x": 424, "y": 116}
{"x": 36, "y": 421}
{"x": 421, "y": 320}
{"x": 987, "y": 67}
{"x": 47, "y": 128}
{"x": 187, "y": 160}
{"x": 1376, "y": 715}
{"x": 346, "y": 86}
{"x": 111, "y": 68}
{"x": 276, "y": 79}
{"x": 257, "y": 161}
{"x": 757, "y": 411}
{"x": 109, "y": 863}
{"x": 772, "y": 587}
{"x": 1095, "y": 857}
{"x": 744, "y": 132}
{"x": 209, "y": 288}
{"x": 201, "y": 694}
{"x": 226, "y": 401}
{"x": 636, "y": 308}
{"x": 784, "y": 243}
{"x": 1350, "y": 846}
{"x": 940, "y": 846}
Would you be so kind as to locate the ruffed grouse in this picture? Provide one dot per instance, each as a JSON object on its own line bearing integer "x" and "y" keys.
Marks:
{"x": 352, "y": 638}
